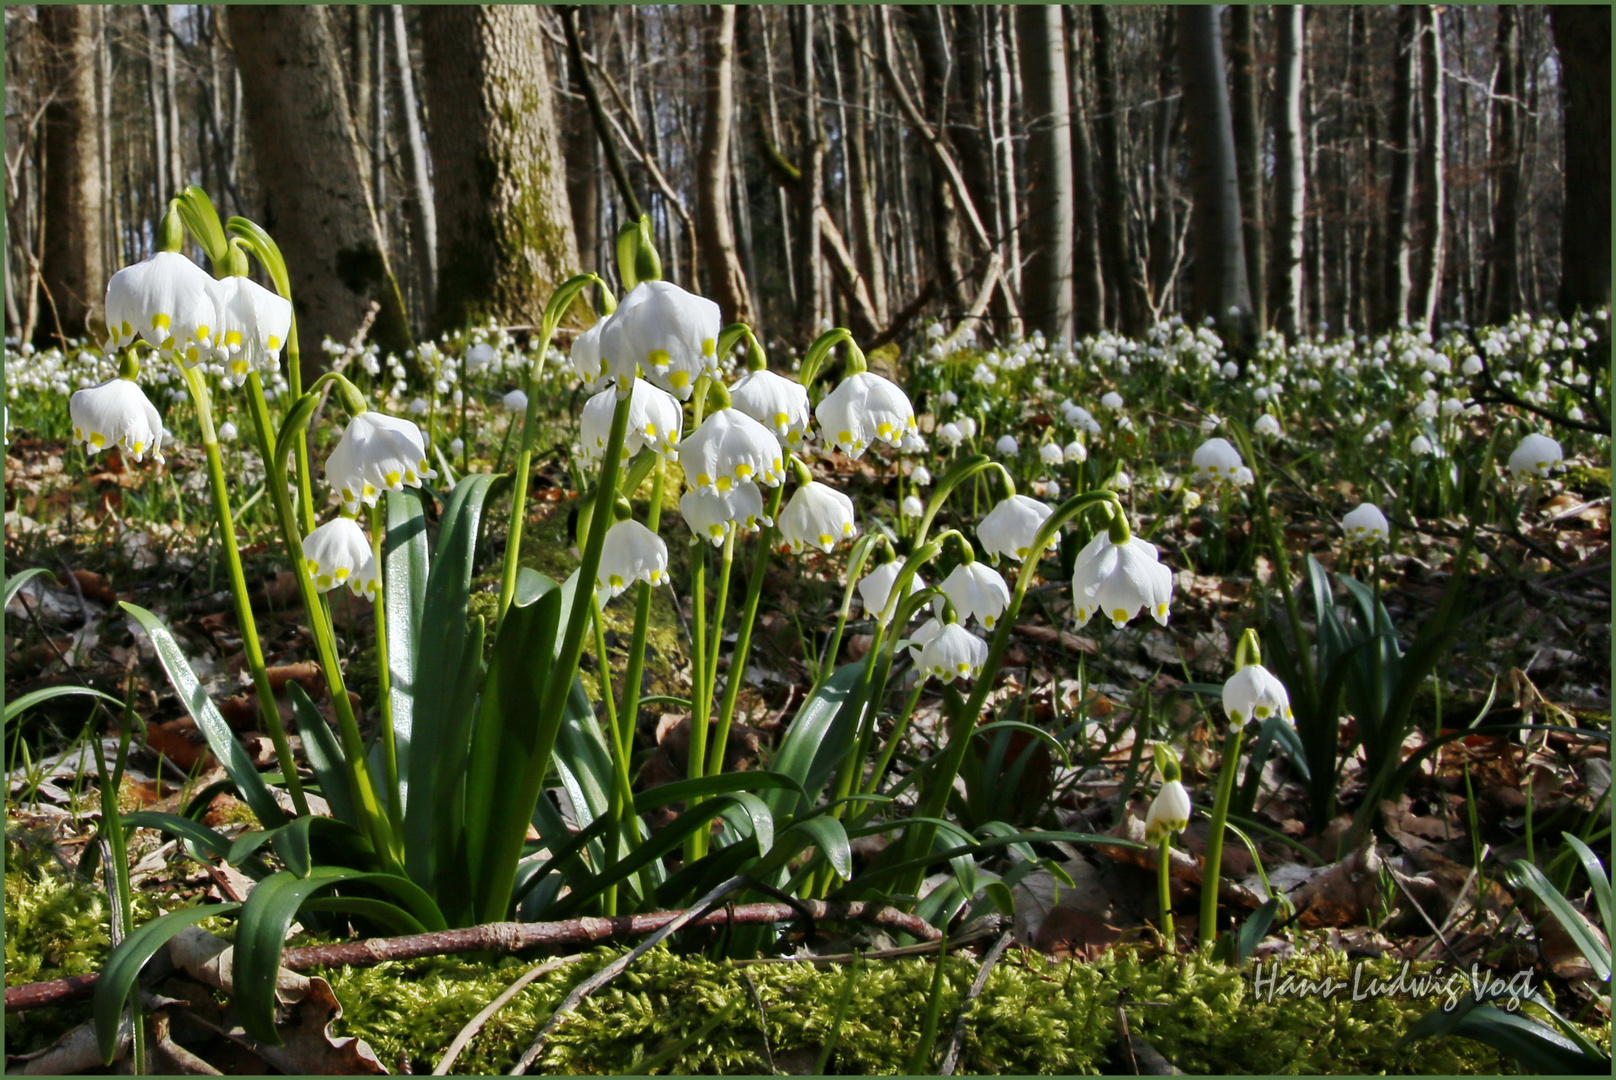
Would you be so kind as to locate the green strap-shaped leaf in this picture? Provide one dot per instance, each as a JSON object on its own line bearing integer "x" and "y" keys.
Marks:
{"x": 267, "y": 917}
{"x": 211, "y": 840}
{"x": 721, "y": 784}
{"x": 808, "y": 742}
{"x": 22, "y": 577}
{"x": 221, "y": 740}
{"x": 1524, "y": 874}
{"x": 1598, "y": 878}
{"x": 831, "y": 838}
{"x": 325, "y": 755}
{"x": 405, "y": 565}
{"x": 122, "y": 968}
{"x": 35, "y": 697}
{"x": 1536, "y": 1046}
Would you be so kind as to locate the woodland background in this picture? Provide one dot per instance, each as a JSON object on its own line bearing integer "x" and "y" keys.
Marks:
{"x": 1065, "y": 169}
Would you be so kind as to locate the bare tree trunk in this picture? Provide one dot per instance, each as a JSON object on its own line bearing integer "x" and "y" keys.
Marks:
{"x": 1400, "y": 197}
{"x": 1009, "y": 207}
{"x": 811, "y": 189}
{"x": 1220, "y": 259}
{"x": 1246, "y": 101}
{"x": 1582, "y": 35}
{"x": 925, "y": 27}
{"x": 1503, "y": 260}
{"x": 1047, "y": 294}
{"x": 159, "y": 108}
{"x": 316, "y": 199}
{"x": 1088, "y": 293}
{"x": 73, "y": 270}
{"x": 504, "y": 222}
{"x": 1433, "y": 161}
{"x": 1163, "y": 233}
{"x": 1115, "y": 247}
{"x": 1290, "y": 177}
{"x": 866, "y": 225}
{"x": 721, "y": 264}
{"x": 176, "y": 159}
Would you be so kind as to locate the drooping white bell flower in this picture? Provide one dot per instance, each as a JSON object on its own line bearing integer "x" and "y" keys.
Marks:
{"x": 585, "y": 359}
{"x": 1420, "y": 446}
{"x": 1112, "y": 401}
{"x": 1169, "y": 811}
{"x": 479, "y": 356}
{"x": 1366, "y": 523}
{"x": 376, "y": 453}
{"x": 165, "y": 299}
{"x": 776, "y": 402}
{"x": 252, "y": 326}
{"x": 1216, "y": 460}
{"x": 875, "y": 590}
{"x": 655, "y": 419}
{"x": 1075, "y": 452}
{"x": 669, "y": 334}
{"x": 1535, "y": 456}
{"x": 951, "y": 434}
{"x": 116, "y": 413}
{"x": 1472, "y": 365}
{"x": 227, "y": 432}
{"x": 515, "y": 401}
{"x": 863, "y": 408}
{"x": 817, "y": 516}
{"x": 1118, "y": 580}
{"x": 1051, "y": 454}
{"x": 977, "y": 590}
{"x": 629, "y": 553}
{"x": 338, "y": 553}
{"x": 921, "y": 476}
{"x": 1267, "y": 424}
{"x": 1255, "y": 693}
{"x": 911, "y": 507}
{"x": 1007, "y": 445}
{"x": 728, "y": 448}
{"x": 954, "y": 653}
{"x": 1009, "y": 529}
{"x": 711, "y": 514}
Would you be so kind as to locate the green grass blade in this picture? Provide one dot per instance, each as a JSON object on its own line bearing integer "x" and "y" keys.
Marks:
{"x": 1598, "y": 878}
{"x": 22, "y": 577}
{"x": 221, "y": 740}
{"x": 1525, "y": 875}
{"x": 122, "y": 968}
{"x": 35, "y": 697}
{"x": 194, "y": 832}
{"x": 324, "y": 753}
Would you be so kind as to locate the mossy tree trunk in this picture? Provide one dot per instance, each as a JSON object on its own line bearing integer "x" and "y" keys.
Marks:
{"x": 317, "y": 199}
{"x": 72, "y": 269}
{"x": 505, "y": 230}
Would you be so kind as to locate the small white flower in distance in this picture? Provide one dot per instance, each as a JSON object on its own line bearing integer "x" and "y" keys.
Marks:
{"x": 670, "y": 334}
{"x": 1452, "y": 406}
{"x": 729, "y": 448}
{"x": 776, "y": 402}
{"x": 935, "y": 331}
{"x": 1535, "y": 456}
{"x": 1425, "y": 410}
{"x": 227, "y": 432}
{"x": 515, "y": 401}
{"x": 252, "y": 326}
{"x": 954, "y": 653}
{"x": 338, "y": 553}
{"x": 418, "y": 406}
{"x": 1121, "y": 482}
{"x": 376, "y": 453}
{"x": 1231, "y": 370}
{"x": 875, "y": 590}
{"x": 1420, "y": 445}
{"x": 1366, "y": 523}
{"x": 480, "y": 356}
{"x": 1007, "y": 445}
{"x": 167, "y": 300}
{"x": 913, "y": 444}
{"x": 948, "y": 397}
{"x": 951, "y": 434}
{"x": 911, "y": 507}
{"x": 1472, "y": 365}
{"x": 456, "y": 446}
{"x": 1169, "y": 811}
{"x": 967, "y": 424}
{"x": 817, "y": 516}
{"x": 1075, "y": 452}
{"x": 1112, "y": 401}
{"x": 1209, "y": 423}
{"x": 1118, "y": 580}
{"x": 976, "y": 590}
{"x": 629, "y": 553}
{"x": 116, "y": 413}
{"x": 1255, "y": 693}
{"x": 1267, "y": 424}
{"x": 1010, "y": 527}
{"x": 1050, "y": 454}
{"x": 921, "y": 476}
{"x": 863, "y": 408}
{"x": 1216, "y": 460}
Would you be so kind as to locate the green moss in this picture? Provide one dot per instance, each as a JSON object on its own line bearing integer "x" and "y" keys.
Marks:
{"x": 1591, "y": 480}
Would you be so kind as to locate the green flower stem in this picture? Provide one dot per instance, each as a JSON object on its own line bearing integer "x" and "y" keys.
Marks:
{"x": 963, "y": 722}
{"x": 1276, "y": 544}
{"x": 702, "y": 715}
{"x": 238, "y": 587}
{"x": 622, "y": 804}
{"x": 899, "y": 726}
{"x": 384, "y": 678}
{"x": 598, "y": 619}
{"x": 300, "y": 449}
{"x": 382, "y": 836}
{"x": 743, "y": 633}
{"x": 1164, "y": 859}
{"x": 629, "y": 712}
{"x": 1214, "y": 839}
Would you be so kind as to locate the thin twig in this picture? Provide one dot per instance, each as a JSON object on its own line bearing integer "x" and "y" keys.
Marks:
{"x": 956, "y": 1041}
{"x": 467, "y": 1033}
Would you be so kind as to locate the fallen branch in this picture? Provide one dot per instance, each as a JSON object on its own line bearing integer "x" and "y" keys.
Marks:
{"x": 507, "y": 937}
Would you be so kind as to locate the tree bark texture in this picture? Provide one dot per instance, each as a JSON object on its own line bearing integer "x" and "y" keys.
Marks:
{"x": 1088, "y": 293}
{"x": 316, "y": 198}
{"x": 1290, "y": 176}
{"x": 1582, "y": 35}
{"x": 421, "y": 208}
{"x": 1047, "y": 284}
{"x": 73, "y": 267}
{"x": 925, "y": 25}
{"x": 1122, "y": 274}
{"x": 1400, "y": 196}
{"x": 725, "y": 280}
{"x": 1433, "y": 162}
{"x": 505, "y": 236}
{"x": 1246, "y": 100}
{"x": 867, "y": 219}
{"x": 1503, "y": 259}
{"x": 1220, "y": 288}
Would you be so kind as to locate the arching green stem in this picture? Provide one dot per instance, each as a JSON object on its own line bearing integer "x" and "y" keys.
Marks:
{"x": 1214, "y": 839}
{"x": 743, "y": 633}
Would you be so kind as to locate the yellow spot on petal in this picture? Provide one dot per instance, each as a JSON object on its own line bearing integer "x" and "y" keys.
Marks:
{"x": 1262, "y": 712}
{"x": 272, "y": 343}
{"x": 781, "y": 419}
{"x": 391, "y": 478}
{"x": 743, "y": 470}
{"x": 844, "y": 437}
{"x": 139, "y": 448}
{"x": 232, "y": 337}
{"x": 324, "y": 581}
{"x": 679, "y": 379}
{"x": 160, "y": 321}
{"x": 202, "y": 332}
{"x": 708, "y": 347}
{"x": 703, "y": 480}
{"x": 725, "y": 483}
{"x": 660, "y": 359}
{"x": 827, "y": 540}
{"x": 1119, "y": 615}
{"x": 342, "y": 573}
{"x": 97, "y": 439}
{"x": 616, "y": 581}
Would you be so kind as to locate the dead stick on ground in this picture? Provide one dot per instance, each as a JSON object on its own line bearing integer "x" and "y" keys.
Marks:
{"x": 462, "y": 1040}
{"x": 511, "y": 937}
{"x": 956, "y": 1041}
